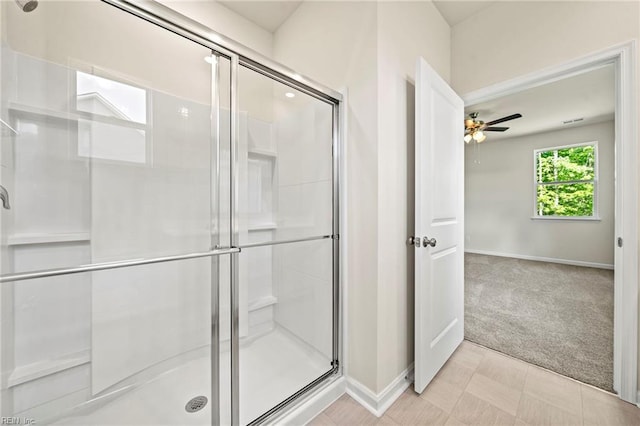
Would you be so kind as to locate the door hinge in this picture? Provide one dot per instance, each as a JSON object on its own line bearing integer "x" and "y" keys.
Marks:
{"x": 335, "y": 237}
{"x": 619, "y": 241}
{"x": 335, "y": 364}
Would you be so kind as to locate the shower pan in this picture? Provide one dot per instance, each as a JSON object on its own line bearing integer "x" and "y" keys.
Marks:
{"x": 170, "y": 254}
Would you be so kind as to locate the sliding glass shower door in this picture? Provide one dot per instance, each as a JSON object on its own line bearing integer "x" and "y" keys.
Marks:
{"x": 285, "y": 228}
{"x": 107, "y": 159}
{"x": 168, "y": 231}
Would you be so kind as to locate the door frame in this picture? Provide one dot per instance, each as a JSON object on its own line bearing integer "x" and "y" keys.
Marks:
{"x": 624, "y": 57}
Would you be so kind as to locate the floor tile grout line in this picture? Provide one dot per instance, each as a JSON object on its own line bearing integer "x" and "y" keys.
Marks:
{"x": 524, "y": 385}
{"x": 464, "y": 390}
{"x": 555, "y": 407}
{"x": 582, "y": 405}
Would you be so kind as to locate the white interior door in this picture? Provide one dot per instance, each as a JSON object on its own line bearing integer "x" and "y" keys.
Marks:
{"x": 439, "y": 233}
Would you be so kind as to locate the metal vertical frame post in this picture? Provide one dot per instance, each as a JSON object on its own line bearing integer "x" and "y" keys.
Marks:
{"x": 235, "y": 269}
{"x": 215, "y": 240}
{"x": 336, "y": 232}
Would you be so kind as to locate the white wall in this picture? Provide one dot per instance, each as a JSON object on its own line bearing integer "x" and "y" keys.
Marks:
{"x": 335, "y": 43}
{"x": 499, "y": 199}
{"x": 406, "y": 31}
{"x": 370, "y": 49}
{"x": 510, "y": 39}
{"x": 554, "y": 32}
{"x": 226, "y": 22}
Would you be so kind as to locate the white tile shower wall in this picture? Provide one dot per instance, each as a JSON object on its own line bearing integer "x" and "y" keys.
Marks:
{"x": 304, "y": 270}
{"x": 145, "y": 315}
{"x": 53, "y": 169}
{"x": 260, "y": 135}
{"x": 50, "y": 388}
{"x": 49, "y": 190}
{"x": 304, "y": 292}
{"x": 52, "y": 315}
{"x": 258, "y": 262}
{"x": 57, "y": 317}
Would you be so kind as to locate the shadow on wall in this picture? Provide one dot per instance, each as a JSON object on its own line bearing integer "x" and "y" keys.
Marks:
{"x": 411, "y": 204}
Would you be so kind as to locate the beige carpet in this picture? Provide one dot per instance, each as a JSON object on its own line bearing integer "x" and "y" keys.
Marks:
{"x": 556, "y": 316}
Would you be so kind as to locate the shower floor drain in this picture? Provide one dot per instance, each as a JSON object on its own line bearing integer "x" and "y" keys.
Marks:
{"x": 196, "y": 404}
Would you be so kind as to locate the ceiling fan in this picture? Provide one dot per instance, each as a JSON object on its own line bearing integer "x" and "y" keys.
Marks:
{"x": 474, "y": 129}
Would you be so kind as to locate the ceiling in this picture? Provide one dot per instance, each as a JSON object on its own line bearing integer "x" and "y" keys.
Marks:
{"x": 266, "y": 14}
{"x": 270, "y": 14}
{"x": 454, "y": 11}
{"x": 590, "y": 96}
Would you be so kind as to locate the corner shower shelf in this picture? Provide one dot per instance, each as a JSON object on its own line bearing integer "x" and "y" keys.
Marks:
{"x": 262, "y": 227}
{"x": 262, "y": 302}
{"x": 47, "y": 238}
{"x": 24, "y": 109}
{"x": 39, "y": 369}
{"x": 262, "y": 152}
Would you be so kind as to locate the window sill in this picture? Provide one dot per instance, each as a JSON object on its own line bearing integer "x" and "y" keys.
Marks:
{"x": 570, "y": 218}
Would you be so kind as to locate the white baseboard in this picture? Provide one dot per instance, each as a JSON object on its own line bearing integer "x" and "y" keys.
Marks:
{"x": 313, "y": 405}
{"x": 638, "y": 399}
{"x": 378, "y": 404}
{"x": 542, "y": 259}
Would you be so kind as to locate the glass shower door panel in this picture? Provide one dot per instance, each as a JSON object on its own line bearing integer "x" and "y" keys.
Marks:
{"x": 107, "y": 132}
{"x": 105, "y": 147}
{"x": 153, "y": 357}
{"x": 285, "y": 162}
{"x": 285, "y": 196}
{"x": 289, "y": 343}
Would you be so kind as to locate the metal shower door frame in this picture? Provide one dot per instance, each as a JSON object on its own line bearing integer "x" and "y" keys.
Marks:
{"x": 240, "y": 55}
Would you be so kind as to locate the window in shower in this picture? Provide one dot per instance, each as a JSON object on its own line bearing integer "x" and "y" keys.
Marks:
{"x": 117, "y": 127}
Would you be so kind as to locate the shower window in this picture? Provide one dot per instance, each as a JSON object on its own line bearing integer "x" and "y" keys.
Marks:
{"x": 124, "y": 136}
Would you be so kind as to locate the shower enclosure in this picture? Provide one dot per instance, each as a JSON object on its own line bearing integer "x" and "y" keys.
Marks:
{"x": 169, "y": 241}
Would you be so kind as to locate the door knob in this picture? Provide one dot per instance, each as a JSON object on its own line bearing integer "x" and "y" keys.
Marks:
{"x": 429, "y": 242}
{"x": 414, "y": 241}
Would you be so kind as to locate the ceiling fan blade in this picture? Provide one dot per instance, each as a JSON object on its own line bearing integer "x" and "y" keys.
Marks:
{"x": 503, "y": 119}
{"x": 495, "y": 129}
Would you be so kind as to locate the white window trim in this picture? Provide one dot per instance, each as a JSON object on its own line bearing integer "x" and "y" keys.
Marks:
{"x": 596, "y": 180}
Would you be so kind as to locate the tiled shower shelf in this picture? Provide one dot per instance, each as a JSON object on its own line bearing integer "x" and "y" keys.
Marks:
{"x": 263, "y": 152}
{"x": 36, "y": 370}
{"x": 46, "y": 238}
{"x": 262, "y": 302}
{"x": 73, "y": 116}
{"x": 263, "y": 227}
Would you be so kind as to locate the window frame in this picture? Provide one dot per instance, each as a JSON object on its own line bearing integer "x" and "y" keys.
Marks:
{"x": 596, "y": 171}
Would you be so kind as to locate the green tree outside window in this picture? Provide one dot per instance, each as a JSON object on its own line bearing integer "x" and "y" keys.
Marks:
{"x": 565, "y": 181}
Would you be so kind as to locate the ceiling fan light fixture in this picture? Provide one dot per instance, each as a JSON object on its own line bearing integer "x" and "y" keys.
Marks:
{"x": 474, "y": 128}
{"x": 479, "y": 136}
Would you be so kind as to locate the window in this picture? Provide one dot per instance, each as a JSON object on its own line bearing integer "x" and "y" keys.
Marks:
{"x": 566, "y": 179}
{"x": 117, "y": 128}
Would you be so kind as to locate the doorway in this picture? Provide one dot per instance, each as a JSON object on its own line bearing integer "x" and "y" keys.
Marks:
{"x": 625, "y": 312}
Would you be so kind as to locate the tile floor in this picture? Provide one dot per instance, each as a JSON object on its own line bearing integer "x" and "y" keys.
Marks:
{"x": 478, "y": 386}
